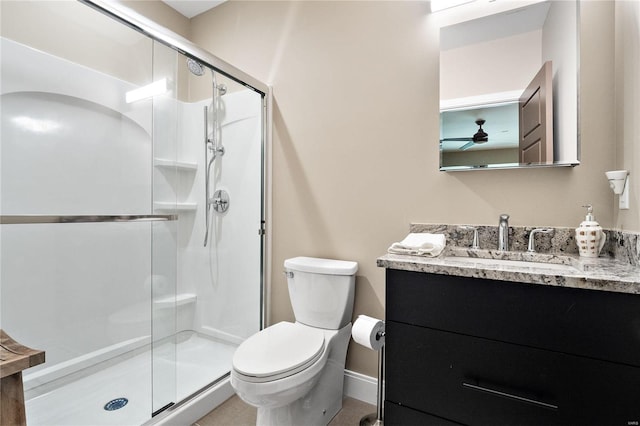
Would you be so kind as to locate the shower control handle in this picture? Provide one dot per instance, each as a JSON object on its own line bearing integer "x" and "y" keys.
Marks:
{"x": 220, "y": 201}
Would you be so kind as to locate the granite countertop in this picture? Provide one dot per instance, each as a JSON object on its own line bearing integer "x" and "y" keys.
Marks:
{"x": 602, "y": 273}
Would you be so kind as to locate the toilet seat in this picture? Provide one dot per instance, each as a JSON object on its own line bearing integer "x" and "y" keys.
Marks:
{"x": 278, "y": 351}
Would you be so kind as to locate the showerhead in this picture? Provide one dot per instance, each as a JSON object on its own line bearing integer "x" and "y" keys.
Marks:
{"x": 195, "y": 67}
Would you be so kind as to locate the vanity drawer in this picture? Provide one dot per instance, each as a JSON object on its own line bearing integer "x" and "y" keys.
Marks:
{"x": 479, "y": 381}
{"x": 597, "y": 324}
{"x": 398, "y": 415}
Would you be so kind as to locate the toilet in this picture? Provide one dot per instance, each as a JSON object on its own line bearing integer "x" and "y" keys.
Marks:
{"x": 293, "y": 372}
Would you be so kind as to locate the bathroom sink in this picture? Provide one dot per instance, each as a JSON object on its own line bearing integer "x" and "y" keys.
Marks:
{"x": 519, "y": 264}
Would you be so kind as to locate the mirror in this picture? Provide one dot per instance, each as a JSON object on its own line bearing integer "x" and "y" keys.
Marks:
{"x": 489, "y": 56}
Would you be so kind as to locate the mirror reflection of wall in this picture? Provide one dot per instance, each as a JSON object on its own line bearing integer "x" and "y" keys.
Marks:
{"x": 490, "y": 60}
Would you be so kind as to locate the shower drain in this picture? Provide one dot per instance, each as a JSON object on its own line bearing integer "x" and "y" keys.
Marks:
{"x": 115, "y": 404}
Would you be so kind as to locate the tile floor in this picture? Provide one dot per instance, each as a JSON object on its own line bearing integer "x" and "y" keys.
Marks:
{"x": 234, "y": 412}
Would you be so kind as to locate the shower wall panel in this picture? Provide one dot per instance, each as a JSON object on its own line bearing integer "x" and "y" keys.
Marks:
{"x": 70, "y": 142}
{"x": 226, "y": 274}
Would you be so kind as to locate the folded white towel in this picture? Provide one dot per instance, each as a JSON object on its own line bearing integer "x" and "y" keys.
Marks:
{"x": 421, "y": 244}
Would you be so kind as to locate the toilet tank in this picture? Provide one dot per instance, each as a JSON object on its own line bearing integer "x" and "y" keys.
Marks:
{"x": 321, "y": 291}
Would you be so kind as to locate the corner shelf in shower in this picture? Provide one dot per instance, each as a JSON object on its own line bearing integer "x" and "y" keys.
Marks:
{"x": 185, "y": 166}
{"x": 160, "y": 206}
{"x": 179, "y": 299}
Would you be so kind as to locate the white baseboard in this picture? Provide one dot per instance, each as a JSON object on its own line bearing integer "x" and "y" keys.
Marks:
{"x": 361, "y": 387}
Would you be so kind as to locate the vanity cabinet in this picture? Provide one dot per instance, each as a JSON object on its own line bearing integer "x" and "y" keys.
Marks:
{"x": 473, "y": 351}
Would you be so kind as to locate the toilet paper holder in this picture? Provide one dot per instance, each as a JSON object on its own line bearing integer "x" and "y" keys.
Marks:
{"x": 376, "y": 419}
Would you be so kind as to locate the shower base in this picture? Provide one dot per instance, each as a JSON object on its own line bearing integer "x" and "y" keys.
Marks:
{"x": 80, "y": 400}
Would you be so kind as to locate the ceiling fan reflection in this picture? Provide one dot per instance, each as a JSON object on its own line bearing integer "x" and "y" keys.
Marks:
{"x": 479, "y": 137}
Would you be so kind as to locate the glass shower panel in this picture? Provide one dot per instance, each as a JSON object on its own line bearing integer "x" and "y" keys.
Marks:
{"x": 72, "y": 290}
{"x": 226, "y": 273}
{"x": 166, "y": 178}
{"x": 163, "y": 314}
{"x": 85, "y": 260}
{"x": 233, "y": 273}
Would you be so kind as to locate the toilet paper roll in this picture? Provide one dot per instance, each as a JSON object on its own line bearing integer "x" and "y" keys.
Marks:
{"x": 369, "y": 332}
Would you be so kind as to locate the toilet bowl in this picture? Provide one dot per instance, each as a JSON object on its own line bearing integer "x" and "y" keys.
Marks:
{"x": 294, "y": 372}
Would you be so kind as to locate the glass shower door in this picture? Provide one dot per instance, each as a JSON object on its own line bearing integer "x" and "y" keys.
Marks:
{"x": 166, "y": 125}
{"x": 226, "y": 273}
{"x": 88, "y": 268}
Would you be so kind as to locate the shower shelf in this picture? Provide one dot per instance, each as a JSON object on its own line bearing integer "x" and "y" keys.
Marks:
{"x": 186, "y": 166}
{"x": 159, "y": 206}
{"x": 179, "y": 300}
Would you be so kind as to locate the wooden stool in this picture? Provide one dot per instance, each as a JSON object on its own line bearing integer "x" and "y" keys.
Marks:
{"x": 14, "y": 358}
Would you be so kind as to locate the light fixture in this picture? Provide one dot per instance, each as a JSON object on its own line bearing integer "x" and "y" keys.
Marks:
{"x": 145, "y": 92}
{"x": 619, "y": 183}
{"x": 438, "y": 5}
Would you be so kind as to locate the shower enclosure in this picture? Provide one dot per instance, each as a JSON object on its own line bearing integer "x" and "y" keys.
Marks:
{"x": 123, "y": 146}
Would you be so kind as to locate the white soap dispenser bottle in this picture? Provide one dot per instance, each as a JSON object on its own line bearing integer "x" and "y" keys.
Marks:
{"x": 589, "y": 235}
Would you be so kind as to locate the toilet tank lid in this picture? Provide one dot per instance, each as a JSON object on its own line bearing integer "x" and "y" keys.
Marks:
{"x": 321, "y": 266}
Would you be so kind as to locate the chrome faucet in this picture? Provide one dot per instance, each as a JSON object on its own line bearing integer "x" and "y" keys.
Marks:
{"x": 532, "y": 244}
{"x": 503, "y": 232}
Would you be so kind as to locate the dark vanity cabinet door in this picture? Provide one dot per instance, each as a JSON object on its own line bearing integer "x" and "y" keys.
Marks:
{"x": 472, "y": 351}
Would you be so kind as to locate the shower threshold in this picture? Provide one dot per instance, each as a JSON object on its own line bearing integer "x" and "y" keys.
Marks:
{"x": 81, "y": 400}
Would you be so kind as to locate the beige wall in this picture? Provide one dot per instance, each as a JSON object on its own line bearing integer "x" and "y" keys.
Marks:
{"x": 355, "y": 152}
{"x": 160, "y": 13}
{"x": 628, "y": 107}
{"x": 489, "y": 67}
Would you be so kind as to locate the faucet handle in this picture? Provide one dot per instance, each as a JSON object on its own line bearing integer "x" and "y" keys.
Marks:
{"x": 474, "y": 244}
{"x": 532, "y": 247}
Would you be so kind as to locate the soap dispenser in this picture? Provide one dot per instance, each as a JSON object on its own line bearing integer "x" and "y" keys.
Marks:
{"x": 589, "y": 235}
